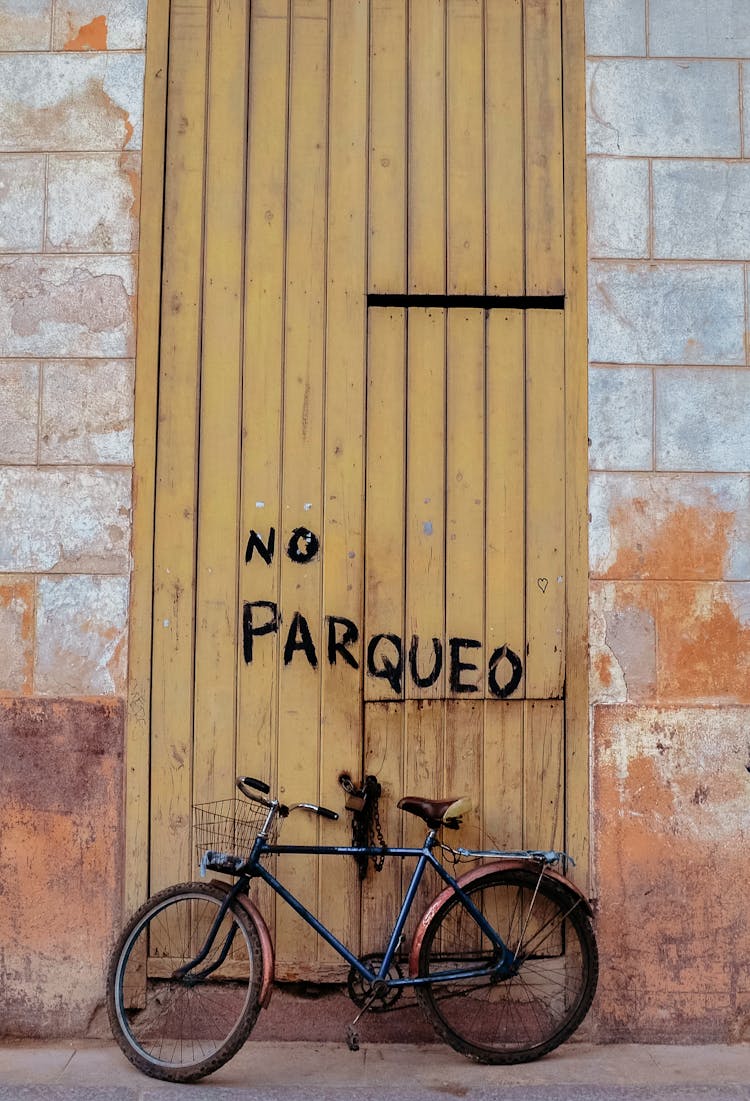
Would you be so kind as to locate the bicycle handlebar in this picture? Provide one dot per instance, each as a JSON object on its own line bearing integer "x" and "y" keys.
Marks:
{"x": 322, "y": 812}
{"x": 248, "y": 785}
{"x": 250, "y": 782}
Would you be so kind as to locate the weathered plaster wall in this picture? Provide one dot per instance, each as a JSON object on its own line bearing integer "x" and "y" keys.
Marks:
{"x": 669, "y": 221}
{"x": 71, "y": 79}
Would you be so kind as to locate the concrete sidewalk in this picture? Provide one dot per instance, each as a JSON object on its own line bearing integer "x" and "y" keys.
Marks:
{"x": 293, "y": 1071}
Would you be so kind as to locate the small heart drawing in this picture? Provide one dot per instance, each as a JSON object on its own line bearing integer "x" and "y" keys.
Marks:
{"x": 542, "y": 582}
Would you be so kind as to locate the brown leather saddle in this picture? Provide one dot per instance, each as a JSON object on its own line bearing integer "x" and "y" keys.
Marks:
{"x": 437, "y": 812}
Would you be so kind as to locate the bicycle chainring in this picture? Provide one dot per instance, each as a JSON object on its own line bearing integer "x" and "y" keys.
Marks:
{"x": 361, "y": 991}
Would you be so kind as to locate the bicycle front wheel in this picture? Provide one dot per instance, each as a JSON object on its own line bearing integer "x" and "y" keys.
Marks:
{"x": 526, "y": 1015}
{"x": 182, "y": 1027}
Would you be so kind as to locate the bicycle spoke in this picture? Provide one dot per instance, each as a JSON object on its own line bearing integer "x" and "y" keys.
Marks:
{"x": 559, "y": 919}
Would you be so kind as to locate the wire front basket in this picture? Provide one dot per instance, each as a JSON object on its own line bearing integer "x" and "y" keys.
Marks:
{"x": 230, "y": 826}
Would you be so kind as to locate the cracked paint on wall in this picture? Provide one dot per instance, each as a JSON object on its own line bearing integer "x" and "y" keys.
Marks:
{"x": 77, "y": 102}
{"x": 671, "y": 791}
{"x": 61, "y": 305}
{"x": 680, "y": 642}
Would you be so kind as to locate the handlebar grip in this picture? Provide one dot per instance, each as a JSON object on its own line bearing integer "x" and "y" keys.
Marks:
{"x": 251, "y": 782}
{"x": 324, "y": 812}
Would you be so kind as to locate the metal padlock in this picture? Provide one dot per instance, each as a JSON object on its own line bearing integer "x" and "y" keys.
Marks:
{"x": 355, "y": 801}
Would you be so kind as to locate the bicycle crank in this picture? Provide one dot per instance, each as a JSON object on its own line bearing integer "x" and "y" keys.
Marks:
{"x": 375, "y": 996}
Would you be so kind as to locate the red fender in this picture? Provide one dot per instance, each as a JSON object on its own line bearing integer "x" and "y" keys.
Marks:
{"x": 511, "y": 864}
{"x": 266, "y": 944}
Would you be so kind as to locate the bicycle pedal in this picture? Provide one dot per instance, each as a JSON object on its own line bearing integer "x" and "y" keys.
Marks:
{"x": 352, "y": 1038}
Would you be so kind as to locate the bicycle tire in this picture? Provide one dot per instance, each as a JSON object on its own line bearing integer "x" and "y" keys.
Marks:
{"x": 178, "y": 1029}
{"x": 522, "y": 1018}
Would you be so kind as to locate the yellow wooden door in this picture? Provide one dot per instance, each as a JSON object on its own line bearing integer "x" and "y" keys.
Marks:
{"x": 362, "y": 502}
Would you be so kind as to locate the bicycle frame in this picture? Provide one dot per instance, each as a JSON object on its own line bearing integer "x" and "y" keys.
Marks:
{"x": 502, "y": 965}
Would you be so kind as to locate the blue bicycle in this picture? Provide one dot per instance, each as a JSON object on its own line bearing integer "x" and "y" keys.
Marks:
{"x": 503, "y": 962}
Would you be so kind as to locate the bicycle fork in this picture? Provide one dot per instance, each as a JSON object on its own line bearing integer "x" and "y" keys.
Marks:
{"x": 184, "y": 971}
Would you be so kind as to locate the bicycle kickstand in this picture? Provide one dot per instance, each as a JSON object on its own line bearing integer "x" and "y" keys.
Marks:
{"x": 352, "y": 1036}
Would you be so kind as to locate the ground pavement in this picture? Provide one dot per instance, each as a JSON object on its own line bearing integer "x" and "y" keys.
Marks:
{"x": 267, "y": 1070}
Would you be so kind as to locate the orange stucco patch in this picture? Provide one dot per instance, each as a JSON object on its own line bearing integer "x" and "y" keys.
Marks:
{"x": 690, "y": 543}
{"x": 17, "y": 636}
{"x": 603, "y": 664}
{"x": 60, "y": 821}
{"x": 12, "y": 590}
{"x": 129, "y": 164}
{"x": 670, "y": 795}
{"x": 35, "y": 842}
{"x": 673, "y": 641}
{"x": 645, "y": 786}
{"x": 643, "y": 597}
{"x": 704, "y": 650}
{"x": 92, "y": 36}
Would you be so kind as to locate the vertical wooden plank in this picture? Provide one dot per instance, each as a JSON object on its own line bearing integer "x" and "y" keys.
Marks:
{"x": 426, "y": 172}
{"x": 505, "y": 565}
{"x": 384, "y": 735}
{"x": 424, "y": 770}
{"x": 465, "y": 146}
{"x": 504, "y": 147}
{"x": 503, "y": 787}
{"x": 343, "y": 536}
{"x": 262, "y": 388}
{"x": 302, "y": 433}
{"x": 387, "y": 163}
{"x": 425, "y": 507}
{"x": 545, "y": 505}
{"x": 384, "y": 758}
{"x": 464, "y": 547}
{"x": 544, "y": 781}
{"x": 385, "y": 503}
{"x": 221, "y": 404}
{"x": 464, "y": 561}
{"x": 174, "y": 550}
{"x": 577, "y": 772}
{"x": 263, "y": 356}
{"x": 463, "y": 765}
{"x": 138, "y": 749}
{"x": 543, "y": 148}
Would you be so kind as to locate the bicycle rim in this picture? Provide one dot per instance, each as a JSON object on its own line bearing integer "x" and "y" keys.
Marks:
{"x": 528, "y": 1014}
{"x": 182, "y": 1028}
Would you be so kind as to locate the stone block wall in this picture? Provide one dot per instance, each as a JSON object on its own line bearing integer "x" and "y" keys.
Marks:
{"x": 71, "y": 88}
{"x": 669, "y": 223}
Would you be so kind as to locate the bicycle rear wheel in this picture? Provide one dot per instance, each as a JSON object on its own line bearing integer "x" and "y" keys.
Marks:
{"x": 523, "y": 1017}
{"x": 182, "y": 1028}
